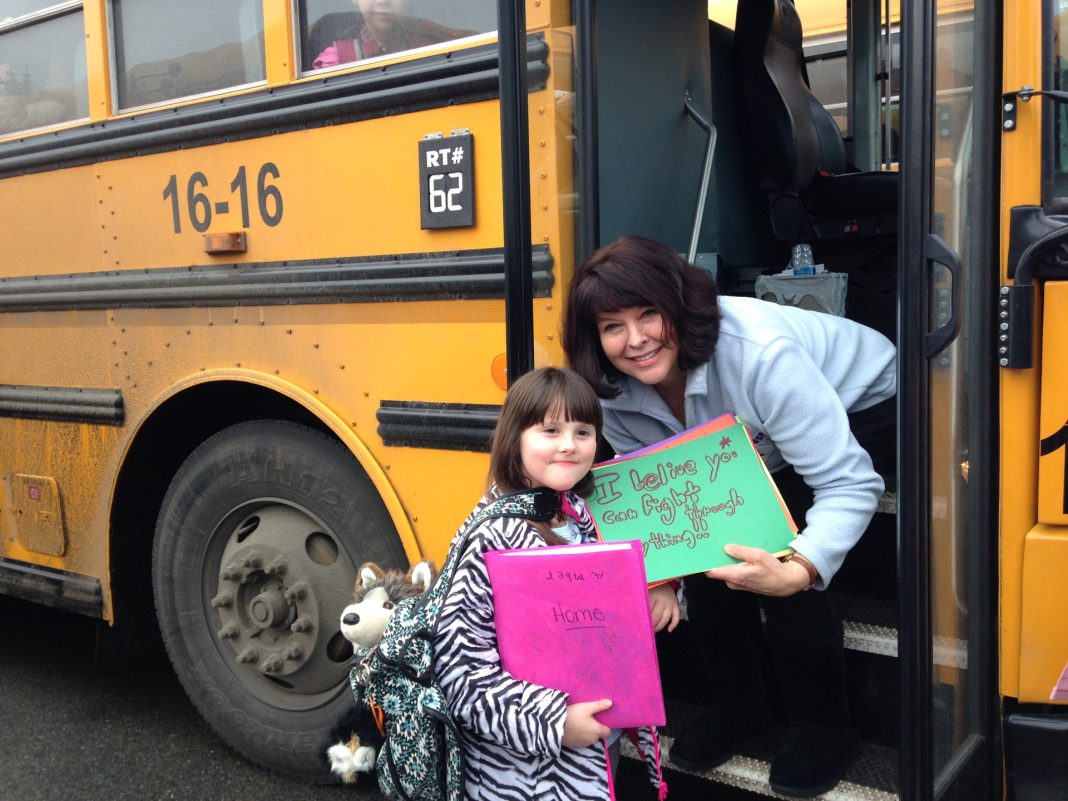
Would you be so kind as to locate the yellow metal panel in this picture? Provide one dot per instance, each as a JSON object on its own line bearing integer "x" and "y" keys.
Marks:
{"x": 1054, "y": 415}
{"x": 278, "y": 41}
{"x": 1044, "y": 633}
{"x": 36, "y": 513}
{"x": 98, "y": 61}
{"x": 537, "y": 14}
{"x": 1019, "y": 389}
{"x": 36, "y": 209}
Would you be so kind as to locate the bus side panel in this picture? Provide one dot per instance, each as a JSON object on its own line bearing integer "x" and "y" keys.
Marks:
{"x": 53, "y": 224}
{"x": 333, "y": 194}
{"x": 1044, "y": 631}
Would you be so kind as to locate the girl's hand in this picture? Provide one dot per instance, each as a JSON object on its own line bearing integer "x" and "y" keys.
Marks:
{"x": 760, "y": 572}
{"x": 581, "y": 728}
{"x": 665, "y": 607}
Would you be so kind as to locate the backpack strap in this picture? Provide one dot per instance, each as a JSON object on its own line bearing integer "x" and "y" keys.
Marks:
{"x": 536, "y": 504}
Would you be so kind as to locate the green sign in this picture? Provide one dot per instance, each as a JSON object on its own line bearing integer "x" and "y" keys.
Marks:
{"x": 687, "y": 497}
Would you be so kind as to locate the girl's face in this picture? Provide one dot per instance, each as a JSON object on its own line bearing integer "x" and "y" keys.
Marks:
{"x": 557, "y": 453}
{"x": 633, "y": 341}
{"x": 381, "y": 14}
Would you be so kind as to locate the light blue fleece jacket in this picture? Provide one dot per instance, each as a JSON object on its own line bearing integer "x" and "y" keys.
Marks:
{"x": 791, "y": 376}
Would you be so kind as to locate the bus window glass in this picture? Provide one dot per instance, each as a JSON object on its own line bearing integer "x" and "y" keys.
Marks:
{"x": 824, "y": 25}
{"x": 42, "y": 73}
{"x": 166, "y": 50}
{"x": 337, "y": 32}
{"x": 1060, "y": 110}
{"x": 827, "y": 79}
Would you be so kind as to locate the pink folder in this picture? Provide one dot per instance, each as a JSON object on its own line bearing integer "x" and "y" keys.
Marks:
{"x": 1060, "y": 689}
{"x": 576, "y": 618}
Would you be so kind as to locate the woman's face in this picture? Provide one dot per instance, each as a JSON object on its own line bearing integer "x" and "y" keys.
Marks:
{"x": 633, "y": 339}
{"x": 557, "y": 453}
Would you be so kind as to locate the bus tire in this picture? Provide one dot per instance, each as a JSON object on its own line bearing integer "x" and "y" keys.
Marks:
{"x": 254, "y": 557}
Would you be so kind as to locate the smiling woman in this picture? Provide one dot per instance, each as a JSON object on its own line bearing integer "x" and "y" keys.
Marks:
{"x": 665, "y": 353}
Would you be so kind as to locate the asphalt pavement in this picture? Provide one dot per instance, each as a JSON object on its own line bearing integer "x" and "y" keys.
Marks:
{"x": 78, "y": 723}
{"x": 75, "y": 730}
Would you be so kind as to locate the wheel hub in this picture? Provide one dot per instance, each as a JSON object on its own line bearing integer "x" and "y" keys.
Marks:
{"x": 277, "y": 598}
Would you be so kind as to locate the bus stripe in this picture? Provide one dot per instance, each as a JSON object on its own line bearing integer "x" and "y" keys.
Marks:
{"x": 448, "y": 79}
{"x": 445, "y": 426}
{"x": 470, "y": 275}
{"x": 67, "y": 404}
{"x": 57, "y": 588}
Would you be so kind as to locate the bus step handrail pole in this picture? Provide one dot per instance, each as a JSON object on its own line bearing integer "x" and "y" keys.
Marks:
{"x": 515, "y": 174}
{"x": 706, "y": 175}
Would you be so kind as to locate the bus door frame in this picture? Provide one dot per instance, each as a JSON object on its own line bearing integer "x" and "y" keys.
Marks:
{"x": 973, "y": 771}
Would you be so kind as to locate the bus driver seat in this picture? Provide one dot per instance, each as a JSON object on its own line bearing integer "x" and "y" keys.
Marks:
{"x": 796, "y": 146}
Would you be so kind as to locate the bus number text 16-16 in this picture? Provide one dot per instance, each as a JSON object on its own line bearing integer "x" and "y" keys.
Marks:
{"x": 199, "y": 207}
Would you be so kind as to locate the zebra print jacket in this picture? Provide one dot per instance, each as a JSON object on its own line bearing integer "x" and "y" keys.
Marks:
{"x": 512, "y": 730}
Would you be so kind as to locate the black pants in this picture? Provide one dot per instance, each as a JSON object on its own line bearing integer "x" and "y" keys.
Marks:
{"x": 802, "y": 633}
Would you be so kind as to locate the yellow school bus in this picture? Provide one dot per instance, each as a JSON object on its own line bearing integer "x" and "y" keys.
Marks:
{"x": 266, "y": 267}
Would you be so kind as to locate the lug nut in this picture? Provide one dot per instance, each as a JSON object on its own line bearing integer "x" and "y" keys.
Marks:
{"x": 223, "y": 599}
{"x": 229, "y": 631}
{"x": 276, "y": 567}
{"x": 248, "y": 655}
{"x": 253, "y": 561}
{"x": 296, "y": 591}
{"x": 272, "y": 664}
{"x": 293, "y": 653}
{"x": 301, "y": 624}
{"x": 231, "y": 572}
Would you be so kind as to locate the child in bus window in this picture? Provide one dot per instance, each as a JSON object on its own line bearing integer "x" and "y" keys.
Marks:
{"x": 381, "y": 27}
{"x": 664, "y": 352}
{"x": 519, "y": 739}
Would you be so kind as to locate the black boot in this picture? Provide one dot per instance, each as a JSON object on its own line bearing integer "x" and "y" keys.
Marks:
{"x": 712, "y": 739}
{"x": 813, "y": 759}
{"x": 726, "y": 630}
{"x": 820, "y": 744}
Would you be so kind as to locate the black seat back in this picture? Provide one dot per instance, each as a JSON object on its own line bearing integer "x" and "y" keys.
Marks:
{"x": 792, "y": 135}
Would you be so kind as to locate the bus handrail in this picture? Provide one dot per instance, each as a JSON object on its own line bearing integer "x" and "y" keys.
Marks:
{"x": 706, "y": 175}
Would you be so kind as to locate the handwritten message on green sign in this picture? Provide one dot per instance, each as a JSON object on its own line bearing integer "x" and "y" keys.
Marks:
{"x": 686, "y": 500}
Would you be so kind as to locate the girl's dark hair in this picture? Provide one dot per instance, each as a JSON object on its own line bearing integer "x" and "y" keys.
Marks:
{"x": 529, "y": 401}
{"x": 635, "y": 271}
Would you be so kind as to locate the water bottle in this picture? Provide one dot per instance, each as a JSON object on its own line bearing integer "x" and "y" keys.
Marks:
{"x": 801, "y": 259}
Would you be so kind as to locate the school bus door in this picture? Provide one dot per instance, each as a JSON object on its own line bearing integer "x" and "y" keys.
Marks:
{"x": 947, "y": 288}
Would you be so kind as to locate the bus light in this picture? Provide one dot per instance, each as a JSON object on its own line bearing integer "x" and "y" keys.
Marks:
{"x": 234, "y": 242}
{"x": 499, "y": 371}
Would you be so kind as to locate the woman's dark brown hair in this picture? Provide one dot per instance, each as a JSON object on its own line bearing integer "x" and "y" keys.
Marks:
{"x": 635, "y": 271}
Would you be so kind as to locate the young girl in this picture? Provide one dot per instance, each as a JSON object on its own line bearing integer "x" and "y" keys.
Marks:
{"x": 521, "y": 740}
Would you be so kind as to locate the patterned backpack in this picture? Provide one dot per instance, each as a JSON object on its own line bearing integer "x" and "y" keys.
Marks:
{"x": 421, "y": 758}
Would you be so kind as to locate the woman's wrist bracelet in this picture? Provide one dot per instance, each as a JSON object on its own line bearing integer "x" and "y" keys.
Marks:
{"x": 813, "y": 574}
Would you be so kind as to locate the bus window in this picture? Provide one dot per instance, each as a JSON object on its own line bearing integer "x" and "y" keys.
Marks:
{"x": 165, "y": 50}
{"x": 827, "y": 71}
{"x": 343, "y": 31}
{"x": 1059, "y": 82}
{"x": 42, "y": 66}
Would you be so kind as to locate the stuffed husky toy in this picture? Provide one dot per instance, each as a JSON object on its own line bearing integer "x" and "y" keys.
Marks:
{"x": 355, "y": 739}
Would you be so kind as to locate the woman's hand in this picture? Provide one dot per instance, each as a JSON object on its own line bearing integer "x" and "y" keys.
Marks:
{"x": 760, "y": 572}
{"x": 664, "y": 606}
{"x": 581, "y": 728}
